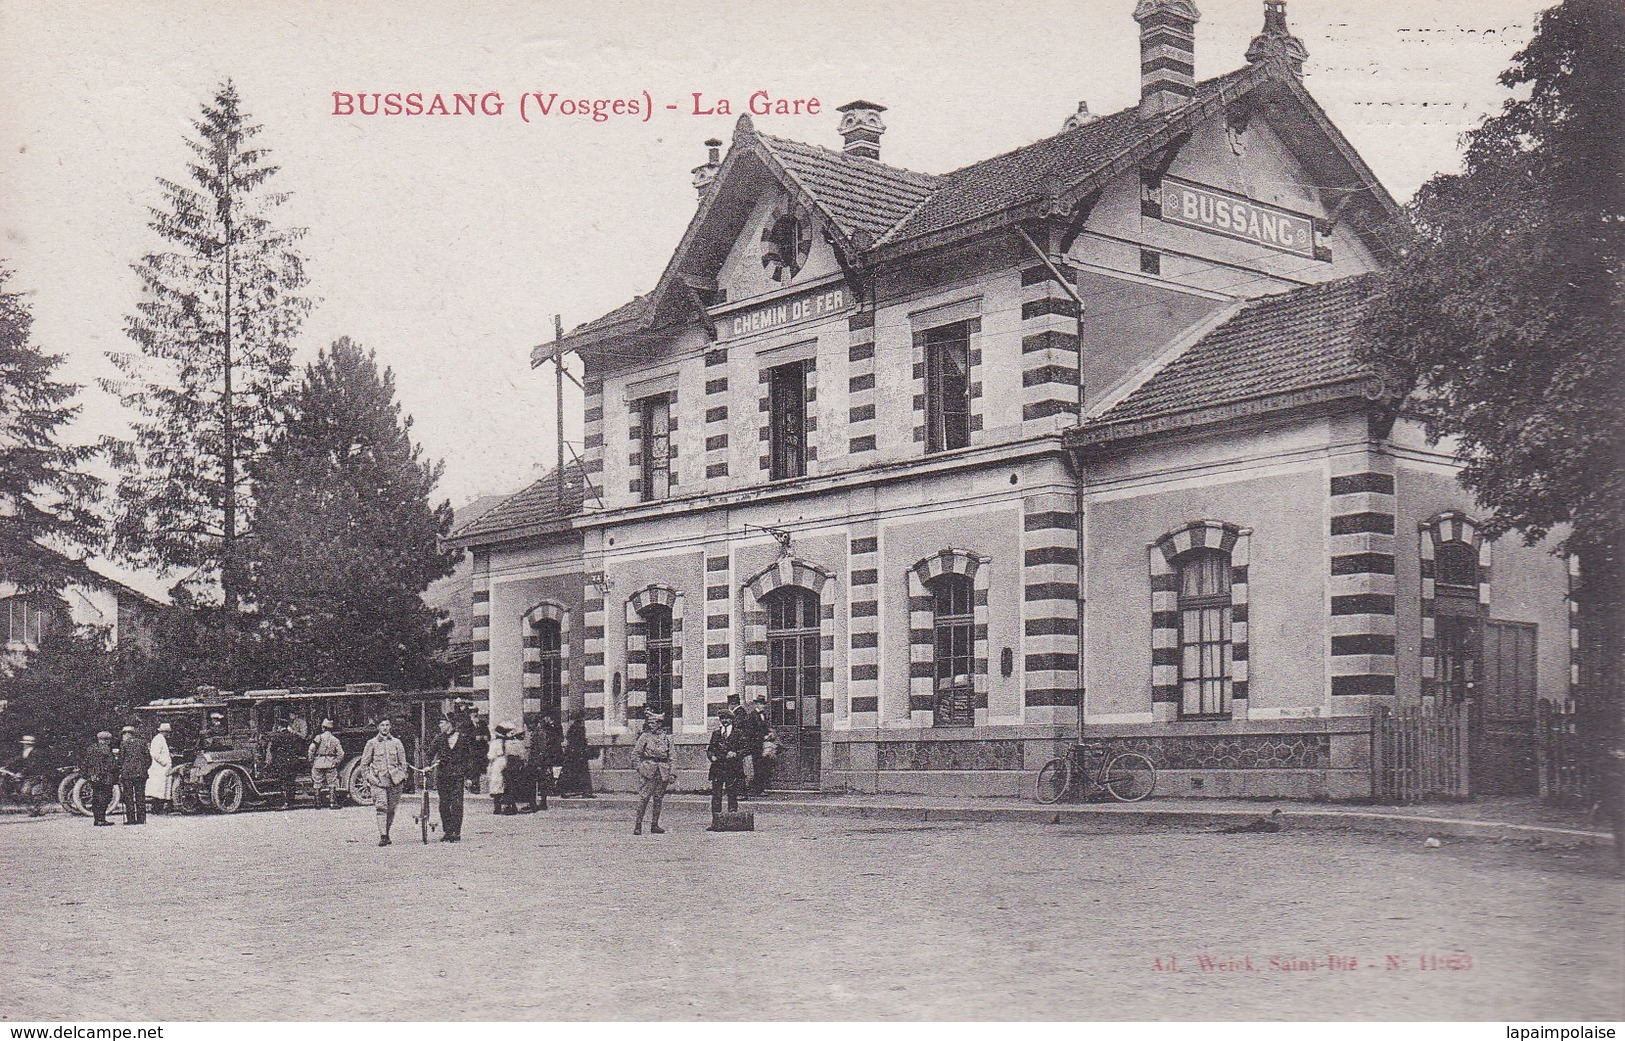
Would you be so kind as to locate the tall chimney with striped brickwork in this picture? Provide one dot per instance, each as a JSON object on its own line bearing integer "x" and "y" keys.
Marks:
{"x": 1167, "y": 54}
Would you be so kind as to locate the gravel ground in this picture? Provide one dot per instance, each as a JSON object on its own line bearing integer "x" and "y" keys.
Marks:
{"x": 565, "y": 915}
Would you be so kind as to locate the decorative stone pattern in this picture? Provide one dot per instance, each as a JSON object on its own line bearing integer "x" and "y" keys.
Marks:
{"x": 593, "y": 666}
{"x": 550, "y": 611}
{"x": 592, "y": 428}
{"x": 637, "y": 651}
{"x": 1361, "y": 626}
{"x": 788, "y": 571}
{"x": 950, "y": 755}
{"x": 1231, "y": 752}
{"x": 1049, "y": 351}
{"x": 480, "y": 628}
{"x": 719, "y": 621}
{"x": 1049, "y": 642}
{"x": 1164, "y": 553}
{"x": 1449, "y": 526}
{"x": 1574, "y": 630}
{"x": 716, "y": 417}
{"x": 922, "y": 694}
{"x": 863, "y": 626}
{"x": 860, "y": 397}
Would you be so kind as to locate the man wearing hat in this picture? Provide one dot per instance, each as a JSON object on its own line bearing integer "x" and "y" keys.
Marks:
{"x": 452, "y": 763}
{"x": 215, "y": 737}
{"x": 160, "y": 783}
{"x": 133, "y": 761}
{"x": 651, "y": 754}
{"x": 100, "y": 771}
{"x": 27, "y": 768}
{"x": 326, "y": 753}
{"x": 285, "y": 756}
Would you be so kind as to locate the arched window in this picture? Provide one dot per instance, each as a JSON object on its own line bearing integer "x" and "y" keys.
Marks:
{"x": 793, "y": 661}
{"x": 657, "y": 618}
{"x": 953, "y": 626}
{"x": 550, "y": 644}
{"x": 1205, "y": 652}
{"x": 1458, "y": 620}
{"x": 1456, "y": 565}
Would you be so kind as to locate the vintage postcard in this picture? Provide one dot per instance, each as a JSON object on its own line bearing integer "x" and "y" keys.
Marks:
{"x": 908, "y": 510}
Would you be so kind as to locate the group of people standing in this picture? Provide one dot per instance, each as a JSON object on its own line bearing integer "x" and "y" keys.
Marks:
{"x": 143, "y": 770}
{"x": 741, "y": 752}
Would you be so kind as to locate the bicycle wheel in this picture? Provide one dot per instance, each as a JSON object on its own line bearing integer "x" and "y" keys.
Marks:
{"x": 1054, "y": 780}
{"x": 1129, "y": 777}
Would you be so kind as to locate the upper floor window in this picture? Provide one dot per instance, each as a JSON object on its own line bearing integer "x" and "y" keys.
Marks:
{"x": 953, "y": 631}
{"x": 655, "y": 415}
{"x": 1456, "y": 564}
{"x": 787, "y": 420}
{"x": 25, "y": 622}
{"x": 1205, "y": 656}
{"x": 947, "y": 386}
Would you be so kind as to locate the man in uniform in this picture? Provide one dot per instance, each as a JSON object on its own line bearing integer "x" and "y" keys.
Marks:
{"x": 133, "y": 761}
{"x": 27, "y": 769}
{"x": 100, "y": 771}
{"x": 383, "y": 765}
{"x": 325, "y": 755}
{"x": 451, "y": 759}
{"x": 285, "y": 754}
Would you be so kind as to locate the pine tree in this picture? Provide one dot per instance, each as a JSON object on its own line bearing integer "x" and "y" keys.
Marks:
{"x": 220, "y": 310}
{"x": 1508, "y": 317}
{"x": 347, "y": 536}
{"x": 46, "y": 499}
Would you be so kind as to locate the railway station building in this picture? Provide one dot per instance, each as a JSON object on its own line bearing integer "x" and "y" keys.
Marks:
{"x": 953, "y": 468}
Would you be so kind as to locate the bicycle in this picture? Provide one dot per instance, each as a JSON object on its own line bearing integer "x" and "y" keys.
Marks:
{"x": 1125, "y": 776}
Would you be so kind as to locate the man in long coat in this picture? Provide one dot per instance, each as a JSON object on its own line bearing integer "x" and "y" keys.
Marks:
{"x": 576, "y": 779}
{"x": 100, "y": 771}
{"x": 286, "y": 756}
{"x": 453, "y": 765}
{"x": 133, "y": 761}
{"x": 726, "y": 752}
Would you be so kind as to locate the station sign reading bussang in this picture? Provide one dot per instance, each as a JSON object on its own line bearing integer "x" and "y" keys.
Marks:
{"x": 1233, "y": 216}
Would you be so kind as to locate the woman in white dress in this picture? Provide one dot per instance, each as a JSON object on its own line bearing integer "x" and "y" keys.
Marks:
{"x": 159, "y": 787}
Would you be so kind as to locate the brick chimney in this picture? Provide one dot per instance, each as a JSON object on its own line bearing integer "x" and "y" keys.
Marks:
{"x": 706, "y": 172}
{"x": 861, "y": 128}
{"x": 1276, "y": 42}
{"x": 1167, "y": 54}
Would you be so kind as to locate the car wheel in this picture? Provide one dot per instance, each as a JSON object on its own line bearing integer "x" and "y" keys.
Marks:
{"x": 229, "y": 790}
{"x": 356, "y": 788}
{"x": 66, "y": 792}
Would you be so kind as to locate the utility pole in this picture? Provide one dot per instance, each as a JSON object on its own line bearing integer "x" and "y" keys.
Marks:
{"x": 558, "y": 401}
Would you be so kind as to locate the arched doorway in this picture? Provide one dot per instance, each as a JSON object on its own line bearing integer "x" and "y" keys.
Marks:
{"x": 793, "y": 672}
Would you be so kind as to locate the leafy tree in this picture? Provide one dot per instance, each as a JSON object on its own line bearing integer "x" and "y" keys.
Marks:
{"x": 1506, "y": 312}
{"x": 46, "y": 499}
{"x": 64, "y": 693}
{"x": 347, "y": 537}
{"x": 220, "y": 309}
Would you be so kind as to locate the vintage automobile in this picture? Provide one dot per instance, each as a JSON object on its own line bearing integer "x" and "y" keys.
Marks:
{"x": 187, "y": 718}
{"x": 229, "y": 769}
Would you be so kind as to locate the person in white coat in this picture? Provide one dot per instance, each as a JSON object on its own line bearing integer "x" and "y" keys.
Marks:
{"x": 160, "y": 782}
{"x": 506, "y": 754}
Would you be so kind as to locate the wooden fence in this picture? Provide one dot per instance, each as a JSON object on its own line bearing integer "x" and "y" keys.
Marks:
{"x": 1568, "y": 748}
{"x": 1419, "y": 753}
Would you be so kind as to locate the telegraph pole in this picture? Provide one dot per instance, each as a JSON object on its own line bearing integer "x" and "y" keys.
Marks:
{"x": 558, "y": 401}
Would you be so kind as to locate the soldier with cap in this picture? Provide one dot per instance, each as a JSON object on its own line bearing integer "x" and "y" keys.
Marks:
{"x": 133, "y": 761}
{"x": 383, "y": 766}
{"x": 27, "y": 769}
{"x": 651, "y": 754}
{"x": 326, "y": 753}
{"x": 160, "y": 783}
{"x": 100, "y": 771}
